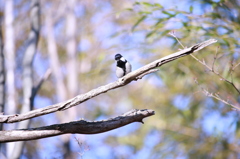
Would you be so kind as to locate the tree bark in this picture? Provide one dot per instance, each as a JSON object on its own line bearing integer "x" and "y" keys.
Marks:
{"x": 76, "y": 127}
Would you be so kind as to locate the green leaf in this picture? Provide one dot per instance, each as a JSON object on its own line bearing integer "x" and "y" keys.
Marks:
{"x": 191, "y": 9}
{"x": 128, "y": 9}
{"x": 159, "y": 21}
{"x": 185, "y": 24}
{"x": 138, "y": 22}
{"x": 216, "y": 15}
{"x": 151, "y": 33}
{"x": 147, "y": 4}
{"x": 137, "y": 3}
{"x": 169, "y": 14}
{"x": 226, "y": 42}
{"x": 164, "y": 33}
{"x": 158, "y": 5}
{"x": 144, "y": 12}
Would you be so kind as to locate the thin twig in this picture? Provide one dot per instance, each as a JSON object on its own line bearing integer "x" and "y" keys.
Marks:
{"x": 180, "y": 43}
{"x": 216, "y": 96}
{"x": 83, "y": 148}
{"x": 219, "y": 98}
{"x": 215, "y": 57}
{"x": 236, "y": 65}
{"x": 231, "y": 71}
{"x": 172, "y": 33}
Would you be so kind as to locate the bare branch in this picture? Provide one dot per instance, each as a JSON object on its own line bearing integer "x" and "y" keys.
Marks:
{"x": 216, "y": 96}
{"x": 103, "y": 89}
{"x": 83, "y": 148}
{"x": 236, "y": 65}
{"x": 215, "y": 58}
{"x": 76, "y": 127}
{"x": 216, "y": 73}
{"x": 44, "y": 78}
{"x": 172, "y": 33}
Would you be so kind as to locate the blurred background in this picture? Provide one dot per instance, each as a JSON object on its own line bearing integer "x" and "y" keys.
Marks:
{"x": 77, "y": 40}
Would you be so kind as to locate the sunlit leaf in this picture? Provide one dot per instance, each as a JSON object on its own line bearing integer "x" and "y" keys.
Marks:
{"x": 191, "y": 9}
{"x": 128, "y": 9}
{"x": 164, "y": 33}
{"x": 215, "y": 15}
{"x": 158, "y": 5}
{"x": 169, "y": 14}
{"x": 185, "y": 24}
{"x": 151, "y": 33}
{"x": 145, "y": 12}
{"x": 160, "y": 21}
{"x": 137, "y": 3}
{"x": 138, "y": 22}
{"x": 147, "y": 4}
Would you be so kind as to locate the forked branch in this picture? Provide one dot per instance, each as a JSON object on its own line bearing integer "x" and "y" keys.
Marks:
{"x": 103, "y": 89}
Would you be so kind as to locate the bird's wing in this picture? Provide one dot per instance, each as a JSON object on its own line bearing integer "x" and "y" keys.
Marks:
{"x": 128, "y": 67}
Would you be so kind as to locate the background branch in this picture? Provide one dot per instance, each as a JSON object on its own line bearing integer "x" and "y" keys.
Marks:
{"x": 76, "y": 127}
{"x": 38, "y": 86}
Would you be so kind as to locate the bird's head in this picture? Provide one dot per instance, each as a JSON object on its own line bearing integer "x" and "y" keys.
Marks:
{"x": 117, "y": 57}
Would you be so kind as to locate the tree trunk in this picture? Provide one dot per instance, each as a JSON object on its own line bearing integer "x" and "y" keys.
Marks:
{"x": 54, "y": 60}
{"x": 2, "y": 81}
{"x": 29, "y": 54}
{"x": 72, "y": 76}
{"x": 9, "y": 51}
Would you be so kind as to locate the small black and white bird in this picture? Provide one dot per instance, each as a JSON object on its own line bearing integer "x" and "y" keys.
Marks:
{"x": 123, "y": 66}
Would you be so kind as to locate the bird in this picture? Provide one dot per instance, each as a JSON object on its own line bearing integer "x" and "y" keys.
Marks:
{"x": 123, "y": 66}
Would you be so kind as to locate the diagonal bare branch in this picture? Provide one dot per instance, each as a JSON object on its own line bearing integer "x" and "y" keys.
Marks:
{"x": 38, "y": 86}
{"x": 103, "y": 89}
{"x": 76, "y": 127}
